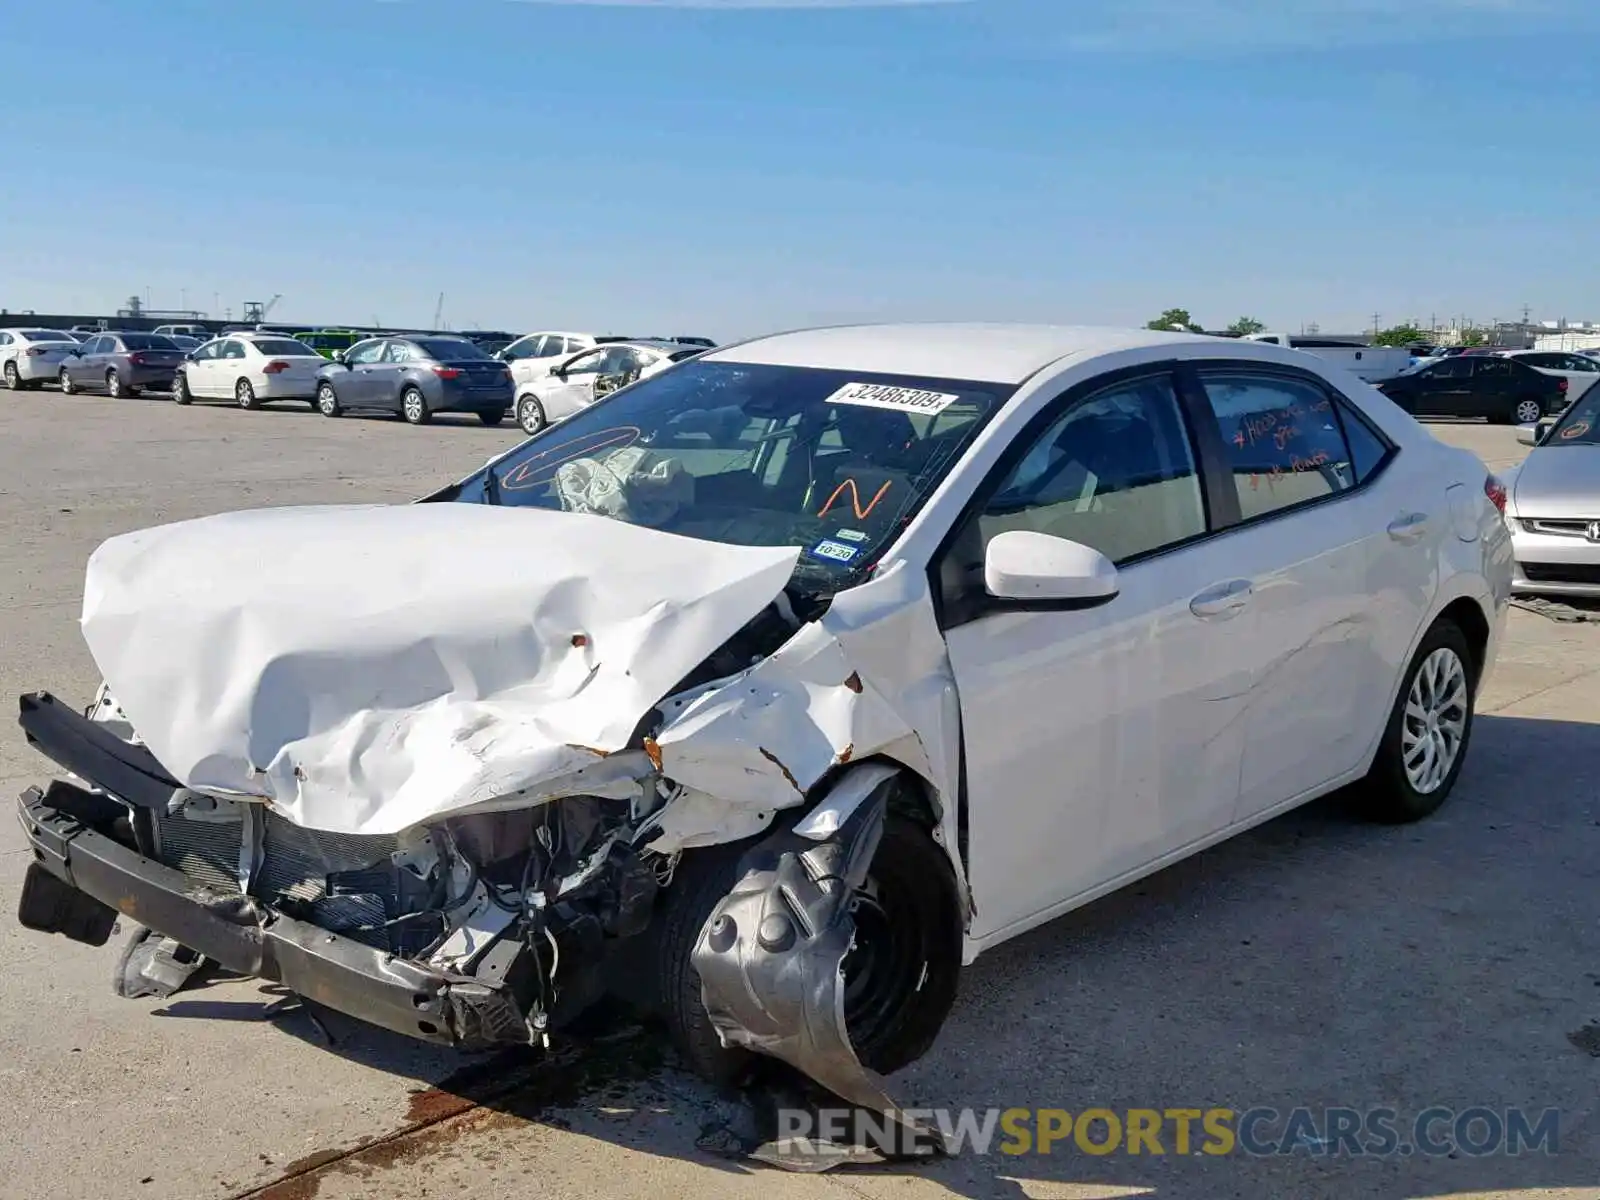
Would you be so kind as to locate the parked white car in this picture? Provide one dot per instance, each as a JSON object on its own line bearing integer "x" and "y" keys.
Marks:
{"x": 1372, "y": 363}
{"x": 181, "y": 330}
{"x": 250, "y": 369}
{"x": 30, "y": 356}
{"x": 798, "y": 676}
{"x": 578, "y": 380}
{"x": 532, "y": 355}
{"x": 1579, "y": 370}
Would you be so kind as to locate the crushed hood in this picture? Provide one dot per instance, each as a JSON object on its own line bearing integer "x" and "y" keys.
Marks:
{"x": 367, "y": 668}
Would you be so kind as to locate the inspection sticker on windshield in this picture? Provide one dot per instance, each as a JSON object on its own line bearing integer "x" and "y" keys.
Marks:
{"x": 884, "y": 395}
{"x": 850, "y": 535}
{"x": 837, "y": 551}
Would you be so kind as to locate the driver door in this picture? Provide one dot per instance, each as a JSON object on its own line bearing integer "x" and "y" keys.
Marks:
{"x": 573, "y": 389}
{"x": 1096, "y": 739}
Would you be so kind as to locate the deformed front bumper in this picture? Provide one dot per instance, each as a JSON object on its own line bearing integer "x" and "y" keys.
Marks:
{"x": 83, "y": 869}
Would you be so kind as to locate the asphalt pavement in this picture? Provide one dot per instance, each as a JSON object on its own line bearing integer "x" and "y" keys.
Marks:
{"x": 1316, "y": 962}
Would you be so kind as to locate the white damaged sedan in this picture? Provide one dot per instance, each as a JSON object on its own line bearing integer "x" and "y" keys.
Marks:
{"x": 771, "y": 689}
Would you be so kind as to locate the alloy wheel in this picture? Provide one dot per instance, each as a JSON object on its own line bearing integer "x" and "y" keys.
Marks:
{"x": 1435, "y": 720}
{"x": 1529, "y": 411}
{"x": 13, "y": 380}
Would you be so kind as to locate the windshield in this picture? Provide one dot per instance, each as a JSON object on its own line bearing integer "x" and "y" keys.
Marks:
{"x": 450, "y": 349}
{"x": 1580, "y": 424}
{"x": 834, "y": 462}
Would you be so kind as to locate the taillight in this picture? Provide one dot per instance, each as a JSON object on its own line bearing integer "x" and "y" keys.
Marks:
{"x": 1561, "y": 383}
{"x": 136, "y": 360}
{"x": 447, "y": 372}
{"x": 274, "y": 367}
{"x": 34, "y": 351}
{"x": 1496, "y": 491}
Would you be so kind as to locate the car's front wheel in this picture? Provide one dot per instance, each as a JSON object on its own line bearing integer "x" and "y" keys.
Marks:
{"x": 1425, "y": 741}
{"x": 530, "y": 415}
{"x": 899, "y": 978}
{"x": 180, "y": 389}
{"x": 64, "y": 380}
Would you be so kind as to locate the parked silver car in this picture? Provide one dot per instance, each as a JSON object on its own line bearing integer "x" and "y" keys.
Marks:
{"x": 120, "y": 364}
{"x": 28, "y": 357}
{"x": 1553, "y": 503}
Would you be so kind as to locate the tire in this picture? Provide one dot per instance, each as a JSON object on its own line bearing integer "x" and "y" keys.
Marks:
{"x": 244, "y": 395}
{"x": 327, "y": 401}
{"x": 919, "y": 960}
{"x": 114, "y": 387}
{"x": 1441, "y": 680}
{"x": 13, "y": 380}
{"x": 491, "y": 419}
{"x": 414, "y": 407}
{"x": 530, "y": 415}
{"x": 1527, "y": 412}
{"x": 64, "y": 381}
{"x": 180, "y": 389}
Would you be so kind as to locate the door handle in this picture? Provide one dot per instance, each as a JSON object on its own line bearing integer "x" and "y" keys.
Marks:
{"x": 1222, "y": 601}
{"x": 1409, "y": 528}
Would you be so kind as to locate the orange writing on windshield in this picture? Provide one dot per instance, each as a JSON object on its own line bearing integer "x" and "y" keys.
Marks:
{"x": 855, "y": 499}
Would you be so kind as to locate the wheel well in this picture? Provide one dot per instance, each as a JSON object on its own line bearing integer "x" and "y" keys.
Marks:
{"x": 1468, "y": 617}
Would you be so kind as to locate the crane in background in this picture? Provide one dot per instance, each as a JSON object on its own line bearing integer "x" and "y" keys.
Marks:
{"x": 255, "y": 312}
{"x": 438, "y": 314}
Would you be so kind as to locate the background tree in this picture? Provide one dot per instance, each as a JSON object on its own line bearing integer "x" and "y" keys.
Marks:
{"x": 1245, "y": 326}
{"x": 1401, "y": 335}
{"x": 1174, "y": 318}
{"x": 1474, "y": 337}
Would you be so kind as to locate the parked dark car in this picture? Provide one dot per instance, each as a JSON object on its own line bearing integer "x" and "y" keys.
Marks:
{"x": 1471, "y": 385}
{"x": 121, "y": 364}
{"x": 416, "y": 376}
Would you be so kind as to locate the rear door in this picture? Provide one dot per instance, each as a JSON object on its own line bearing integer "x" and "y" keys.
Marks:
{"x": 1305, "y": 542}
{"x": 1443, "y": 390}
{"x": 1496, "y": 385}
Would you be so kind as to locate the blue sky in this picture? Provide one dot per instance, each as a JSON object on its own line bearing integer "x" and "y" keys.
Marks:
{"x": 729, "y": 169}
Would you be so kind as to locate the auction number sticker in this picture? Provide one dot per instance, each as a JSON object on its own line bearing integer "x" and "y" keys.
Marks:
{"x": 884, "y": 395}
{"x": 1576, "y": 430}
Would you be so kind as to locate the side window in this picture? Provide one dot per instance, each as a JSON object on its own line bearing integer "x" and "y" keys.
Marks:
{"x": 1282, "y": 438}
{"x": 365, "y": 352}
{"x": 1114, "y": 472}
{"x": 5, "y": 339}
{"x": 1458, "y": 367}
{"x": 586, "y": 364}
{"x": 232, "y": 349}
{"x": 399, "y": 352}
{"x": 551, "y": 346}
{"x": 1368, "y": 448}
{"x": 1497, "y": 369}
{"x": 1576, "y": 362}
{"x": 96, "y": 346}
{"x": 521, "y": 348}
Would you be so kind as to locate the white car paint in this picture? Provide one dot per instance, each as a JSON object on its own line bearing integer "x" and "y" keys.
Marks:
{"x": 37, "y": 353}
{"x": 569, "y": 383}
{"x": 1580, "y": 371}
{"x": 1232, "y": 677}
{"x": 214, "y": 370}
{"x": 532, "y": 355}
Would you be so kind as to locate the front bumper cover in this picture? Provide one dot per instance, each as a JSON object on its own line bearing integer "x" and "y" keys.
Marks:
{"x": 249, "y": 937}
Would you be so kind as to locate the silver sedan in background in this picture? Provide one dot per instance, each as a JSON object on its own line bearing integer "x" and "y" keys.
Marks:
{"x": 1553, "y": 503}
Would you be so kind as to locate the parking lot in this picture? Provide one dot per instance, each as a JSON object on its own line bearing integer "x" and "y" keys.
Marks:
{"x": 1318, "y": 961}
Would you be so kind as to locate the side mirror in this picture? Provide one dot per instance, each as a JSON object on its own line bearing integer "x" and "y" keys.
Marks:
{"x": 1021, "y": 564}
{"x": 1533, "y": 435}
{"x": 339, "y": 356}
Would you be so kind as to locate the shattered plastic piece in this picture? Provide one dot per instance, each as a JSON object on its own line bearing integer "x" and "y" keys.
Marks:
{"x": 771, "y": 959}
{"x": 153, "y": 965}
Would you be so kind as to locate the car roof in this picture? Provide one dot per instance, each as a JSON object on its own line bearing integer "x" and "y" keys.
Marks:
{"x": 666, "y": 344}
{"x": 994, "y": 353}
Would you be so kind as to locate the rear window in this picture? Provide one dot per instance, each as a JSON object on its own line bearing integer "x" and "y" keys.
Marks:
{"x": 46, "y": 335}
{"x": 450, "y": 349}
{"x": 285, "y": 346}
{"x": 148, "y": 341}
